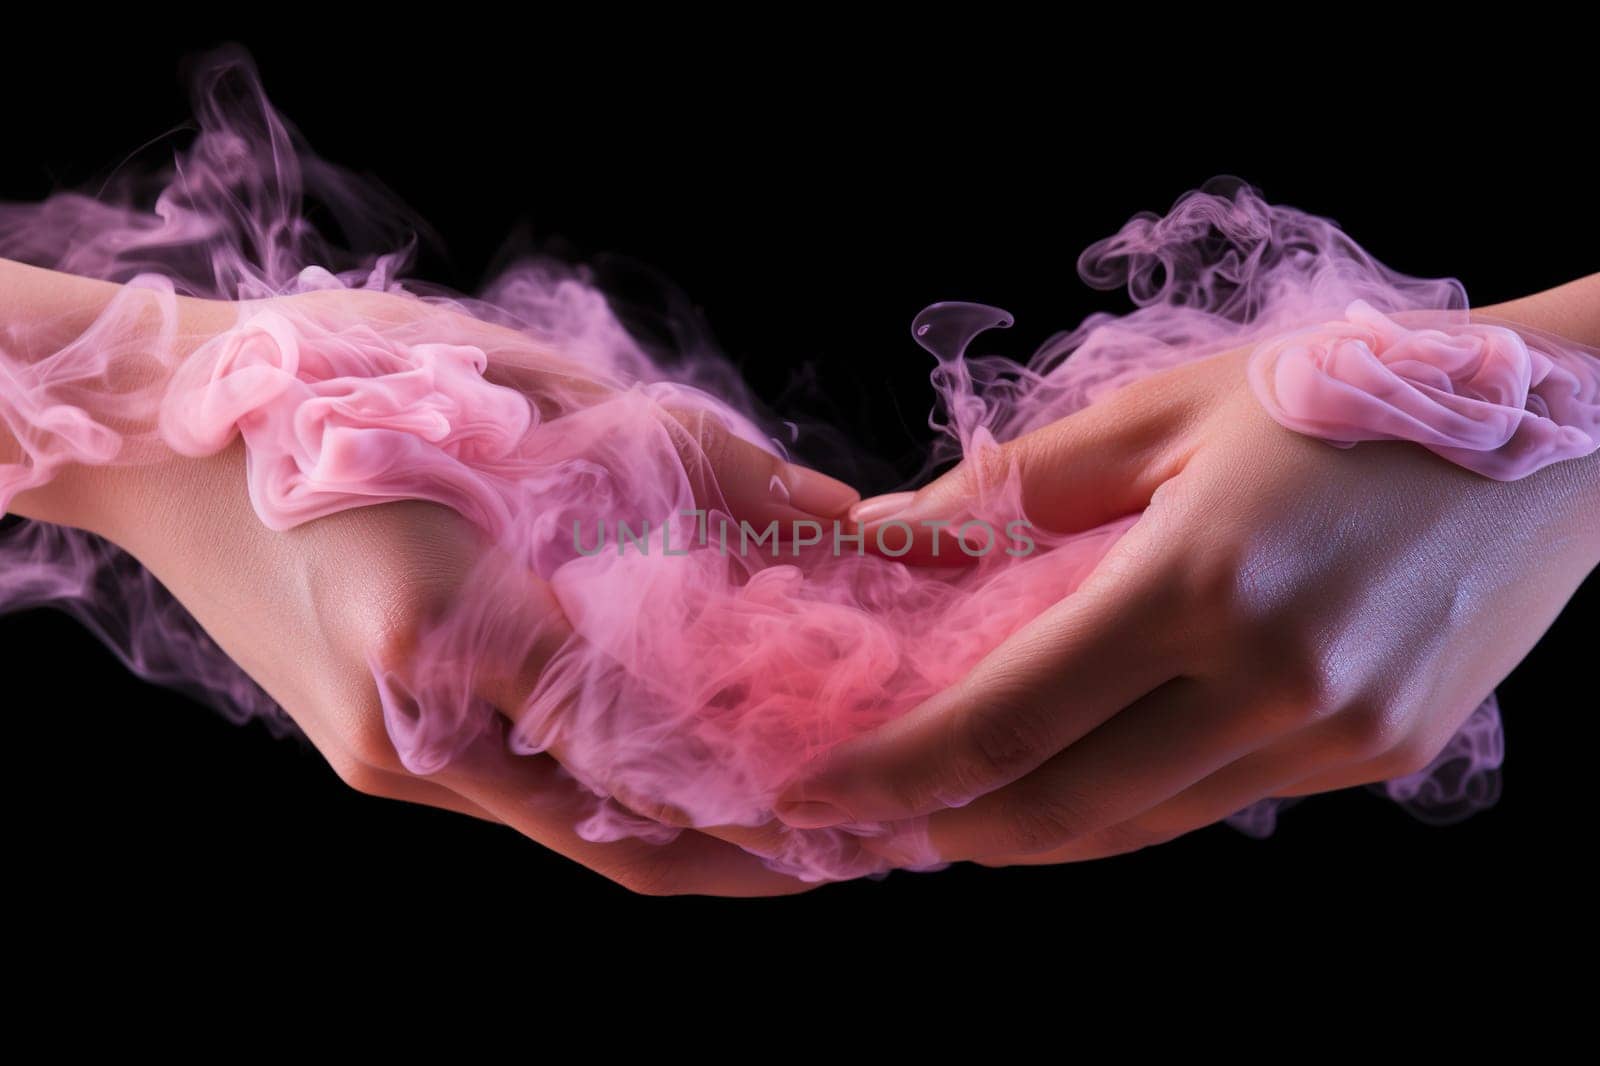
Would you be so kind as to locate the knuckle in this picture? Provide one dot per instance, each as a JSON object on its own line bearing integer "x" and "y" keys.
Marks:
{"x": 1243, "y": 595}
{"x": 994, "y": 465}
{"x": 1410, "y": 756}
{"x": 1217, "y": 583}
{"x": 1032, "y": 823}
{"x": 360, "y": 776}
{"x": 707, "y": 439}
{"x": 392, "y": 628}
{"x": 716, "y": 444}
{"x": 1289, "y": 667}
{"x": 1247, "y": 623}
{"x": 922, "y": 792}
{"x": 997, "y": 743}
{"x": 1368, "y": 729}
{"x": 1302, "y": 683}
{"x": 367, "y": 741}
{"x": 712, "y": 457}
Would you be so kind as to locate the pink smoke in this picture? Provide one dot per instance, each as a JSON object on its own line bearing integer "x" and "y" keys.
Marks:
{"x": 698, "y": 682}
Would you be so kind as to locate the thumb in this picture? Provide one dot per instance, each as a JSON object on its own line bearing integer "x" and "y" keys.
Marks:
{"x": 1099, "y": 464}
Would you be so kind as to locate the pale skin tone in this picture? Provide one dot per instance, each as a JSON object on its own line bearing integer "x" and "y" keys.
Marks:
{"x": 305, "y": 611}
{"x": 1285, "y": 618}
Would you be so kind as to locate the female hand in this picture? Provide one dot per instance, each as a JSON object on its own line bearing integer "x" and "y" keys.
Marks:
{"x": 1284, "y": 618}
{"x": 306, "y": 612}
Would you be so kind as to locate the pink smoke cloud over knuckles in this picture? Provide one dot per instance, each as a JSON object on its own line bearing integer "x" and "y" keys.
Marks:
{"x": 701, "y": 682}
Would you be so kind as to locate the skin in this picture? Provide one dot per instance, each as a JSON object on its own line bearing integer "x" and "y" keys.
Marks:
{"x": 1285, "y": 618}
{"x": 304, "y": 612}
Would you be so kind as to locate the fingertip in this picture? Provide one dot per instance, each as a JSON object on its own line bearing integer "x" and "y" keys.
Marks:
{"x": 815, "y": 492}
{"x": 880, "y": 508}
{"x": 811, "y": 814}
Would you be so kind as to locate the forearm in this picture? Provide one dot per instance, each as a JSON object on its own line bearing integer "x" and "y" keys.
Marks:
{"x": 1567, "y": 493}
{"x": 1571, "y": 311}
{"x": 42, "y": 312}
{"x": 82, "y": 359}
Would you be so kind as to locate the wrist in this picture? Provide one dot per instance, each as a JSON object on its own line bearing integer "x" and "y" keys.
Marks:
{"x": 1570, "y": 311}
{"x": 83, "y": 367}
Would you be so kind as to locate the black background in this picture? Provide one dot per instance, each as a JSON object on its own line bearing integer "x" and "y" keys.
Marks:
{"x": 809, "y": 197}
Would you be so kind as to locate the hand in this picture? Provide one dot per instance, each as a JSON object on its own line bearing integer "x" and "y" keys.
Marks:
{"x": 308, "y": 611}
{"x": 1284, "y": 618}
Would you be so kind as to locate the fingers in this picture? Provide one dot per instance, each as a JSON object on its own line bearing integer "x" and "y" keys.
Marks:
{"x": 1050, "y": 684}
{"x": 530, "y": 794}
{"x": 1231, "y": 789}
{"x": 726, "y": 471}
{"x": 534, "y": 796}
{"x": 1340, "y": 752}
{"x": 1099, "y": 464}
{"x": 1149, "y": 753}
{"x": 1404, "y": 759}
